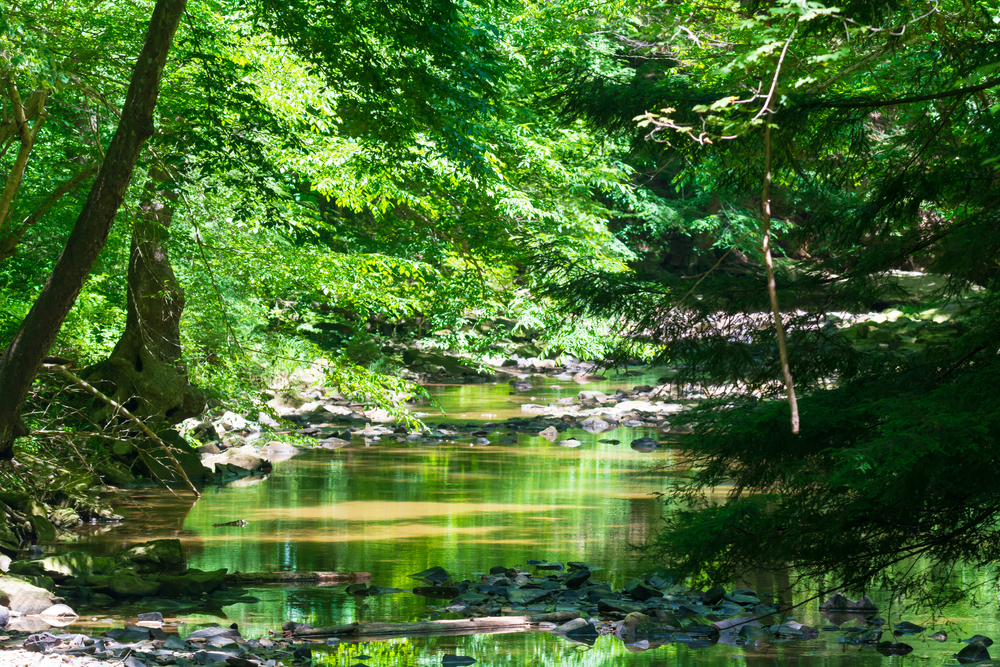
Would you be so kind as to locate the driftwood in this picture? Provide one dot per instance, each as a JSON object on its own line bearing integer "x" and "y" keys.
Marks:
{"x": 296, "y": 577}
{"x": 465, "y": 626}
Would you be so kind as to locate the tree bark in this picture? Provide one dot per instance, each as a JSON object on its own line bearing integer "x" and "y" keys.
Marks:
{"x": 146, "y": 372}
{"x": 23, "y": 357}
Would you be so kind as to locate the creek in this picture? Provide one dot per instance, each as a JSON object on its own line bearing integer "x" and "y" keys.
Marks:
{"x": 394, "y": 508}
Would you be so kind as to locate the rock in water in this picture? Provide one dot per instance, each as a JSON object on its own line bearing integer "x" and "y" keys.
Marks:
{"x": 456, "y": 660}
{"x": 4, "y": 616}
{"x": 979, "y": 638}
{"x": 839, "y": 602}
{"x": 713, "y": 595}
{"x": 893, "y": 648}
{"x": 577, "y": 579}
{"x": 549, "y": 433}
{"x": 940, "y": 636}
{"x": 907, "y": 628}
{"x": 558, "y": 567}
{"x": 645, "y": 445}
{"x": 155, "y": 556}
{"x": 578, "y": 627}
{"x": 435, "y": 574}
{"x": 974, "y": 652}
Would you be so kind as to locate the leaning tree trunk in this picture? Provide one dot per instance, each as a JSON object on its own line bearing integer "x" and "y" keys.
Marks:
{"x": 23, "y": 357}
{"x": 146, "y": 372}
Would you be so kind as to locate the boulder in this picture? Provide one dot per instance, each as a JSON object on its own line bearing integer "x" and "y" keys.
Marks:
{"x": 164, "y": 555}
{"x": 18, "y": 595}
{"x": 4, "y": 617}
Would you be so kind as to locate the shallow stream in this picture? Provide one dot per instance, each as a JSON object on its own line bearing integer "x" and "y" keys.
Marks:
{"x": 395, "y": 508}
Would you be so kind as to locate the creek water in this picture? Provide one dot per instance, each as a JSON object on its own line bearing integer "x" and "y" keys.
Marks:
{"x": 394, "y": 508}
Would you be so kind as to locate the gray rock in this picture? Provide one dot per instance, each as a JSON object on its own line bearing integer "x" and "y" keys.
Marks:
{"x": 525, "y": 596}
{"x": 594, "y": 425}
{"x": 211, "y": 657}
{"x": 153, "y": 616}
{"x": 578, "y": 627}
{"x": 208, "y": 633}
{"x": 639, "y": 591}
{"x": 41, "y": 642}
{"x": 577, "y": 578}
{"x": 4, "y": 617}
{"x": 638, "y": 626}
{"x": 18, "y": 595}
{"x": 621, "y": 606}
{"x": 128, "y": 634}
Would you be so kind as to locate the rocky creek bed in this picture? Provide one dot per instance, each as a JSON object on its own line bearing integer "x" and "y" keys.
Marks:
{"x": 567, "y": 600}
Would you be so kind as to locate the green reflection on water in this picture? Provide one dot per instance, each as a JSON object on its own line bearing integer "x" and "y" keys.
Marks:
{"x": 392, "y": 509}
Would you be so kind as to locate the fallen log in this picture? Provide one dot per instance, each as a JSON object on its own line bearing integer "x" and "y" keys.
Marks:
{"x": 484, "y": 625}
{"x": 296, "y": 577}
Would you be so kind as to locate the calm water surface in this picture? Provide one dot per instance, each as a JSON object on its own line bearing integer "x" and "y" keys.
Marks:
{"x": 395, "y": 508}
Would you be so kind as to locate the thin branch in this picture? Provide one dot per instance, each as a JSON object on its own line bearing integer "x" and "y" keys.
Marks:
{"x": 96, "y": 393}
{"x": 772, "y": 289}
{"x": 992, "y": 83}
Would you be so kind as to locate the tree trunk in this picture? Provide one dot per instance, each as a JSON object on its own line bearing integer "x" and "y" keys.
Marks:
{"x": 146, "y": 372}
{"x": 23, "y": 357}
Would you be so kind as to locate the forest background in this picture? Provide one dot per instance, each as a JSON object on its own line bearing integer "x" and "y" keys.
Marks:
{"x": 202, "y": 196}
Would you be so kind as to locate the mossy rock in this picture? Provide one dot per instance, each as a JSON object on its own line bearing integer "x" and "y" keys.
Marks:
{"x": 8, "y": 540}
{"x": 155, "y": 556}
{"x": 64, "y": 516}
{"x": 192, "y": 583}
{"x": 44, "y": 530}
{"x": 115, "y": 473}
{"x": 127, "y": 585}
{"x": 71, "y": 564}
